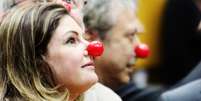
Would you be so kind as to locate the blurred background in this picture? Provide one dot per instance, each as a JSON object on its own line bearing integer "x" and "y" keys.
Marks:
{"x": 171, "y": 33}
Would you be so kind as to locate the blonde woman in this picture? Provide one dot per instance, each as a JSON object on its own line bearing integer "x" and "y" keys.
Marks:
{"x": 43, "y": 55}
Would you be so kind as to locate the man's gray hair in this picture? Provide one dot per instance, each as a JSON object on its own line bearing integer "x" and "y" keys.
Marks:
{"x": 101, "y": 15}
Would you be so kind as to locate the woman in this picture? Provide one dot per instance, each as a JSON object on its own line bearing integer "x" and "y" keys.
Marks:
{"x": 43, "y": 55}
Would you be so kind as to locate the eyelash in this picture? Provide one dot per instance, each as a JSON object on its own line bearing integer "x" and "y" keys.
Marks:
{"x": 71, "y": 40}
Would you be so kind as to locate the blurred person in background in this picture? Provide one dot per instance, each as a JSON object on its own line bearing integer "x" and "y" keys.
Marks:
{"x": 187, "y": 89}
{"x": 114, "y": 22}
{"x": 180, "y": 41}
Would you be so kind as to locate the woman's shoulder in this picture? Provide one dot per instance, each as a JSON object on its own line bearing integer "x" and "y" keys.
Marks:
{"x": 99, "y": 92}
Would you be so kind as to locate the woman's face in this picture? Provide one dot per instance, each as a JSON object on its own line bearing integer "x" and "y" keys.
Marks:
{"x": 66, "y": 54}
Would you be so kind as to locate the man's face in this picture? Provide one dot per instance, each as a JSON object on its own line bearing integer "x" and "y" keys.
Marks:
{"x": 119, "y": 58}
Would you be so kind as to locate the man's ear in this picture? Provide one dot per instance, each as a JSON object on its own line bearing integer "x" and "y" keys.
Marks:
{"x": 91, "y": 35}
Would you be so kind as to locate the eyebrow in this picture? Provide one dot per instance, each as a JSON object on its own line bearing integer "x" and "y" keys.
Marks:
{"x": 71, "y": 31}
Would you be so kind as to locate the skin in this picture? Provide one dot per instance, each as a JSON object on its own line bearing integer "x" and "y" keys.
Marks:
{"x": 68, "y": 58}
{"x": 115, "y": 66}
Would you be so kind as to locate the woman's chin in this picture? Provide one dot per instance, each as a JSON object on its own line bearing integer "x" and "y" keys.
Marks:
{"x": 91, "y": 78}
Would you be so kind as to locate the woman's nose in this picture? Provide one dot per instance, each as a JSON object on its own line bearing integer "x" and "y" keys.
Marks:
{"x": 95, "y": 48}
{"x": 141, "y": 50}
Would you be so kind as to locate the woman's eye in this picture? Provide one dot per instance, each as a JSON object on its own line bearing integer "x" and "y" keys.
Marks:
{"x": 71, "y": 41}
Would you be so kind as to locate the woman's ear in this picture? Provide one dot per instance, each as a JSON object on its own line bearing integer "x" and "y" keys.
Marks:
{"x": 44, "y": 58}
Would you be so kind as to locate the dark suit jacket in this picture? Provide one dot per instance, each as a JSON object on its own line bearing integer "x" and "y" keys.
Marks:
{"x": 188, "y": 92}
{"x": 188, "y": 89}
{"x": 132, "y": 93}
{"x": 180, "y": 41}
{"x": 193, "y": 75}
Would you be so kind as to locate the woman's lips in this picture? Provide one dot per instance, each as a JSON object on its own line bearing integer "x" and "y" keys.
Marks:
{"x": 89, "y": 65}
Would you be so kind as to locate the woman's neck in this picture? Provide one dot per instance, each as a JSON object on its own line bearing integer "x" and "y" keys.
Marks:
{"x": 73, "y": 96}
{"x": 75, "y": 93}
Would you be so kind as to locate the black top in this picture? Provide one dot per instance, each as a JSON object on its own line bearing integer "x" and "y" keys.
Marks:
{"x": 131, "y": 93}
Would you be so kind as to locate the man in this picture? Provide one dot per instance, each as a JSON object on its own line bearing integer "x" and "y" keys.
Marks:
{"x": 115, "y": 23}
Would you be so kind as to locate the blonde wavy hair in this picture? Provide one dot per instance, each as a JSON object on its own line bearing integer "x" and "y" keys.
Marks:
{"x": 24, "y": 34}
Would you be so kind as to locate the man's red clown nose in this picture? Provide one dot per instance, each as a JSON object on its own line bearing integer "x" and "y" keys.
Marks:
{"x": 142, "y": 51}
{"x": 95, "y": 48}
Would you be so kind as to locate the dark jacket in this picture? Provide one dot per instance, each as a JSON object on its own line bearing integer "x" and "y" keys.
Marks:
{"x": 188, "y": 92}
{"x": 189, "y": 89}
{"x": 131, "y": 93}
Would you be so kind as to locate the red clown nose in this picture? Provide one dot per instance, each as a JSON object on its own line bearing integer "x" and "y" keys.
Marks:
{"x": 142, "y": 51}
{"x": 95, "y": 49}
